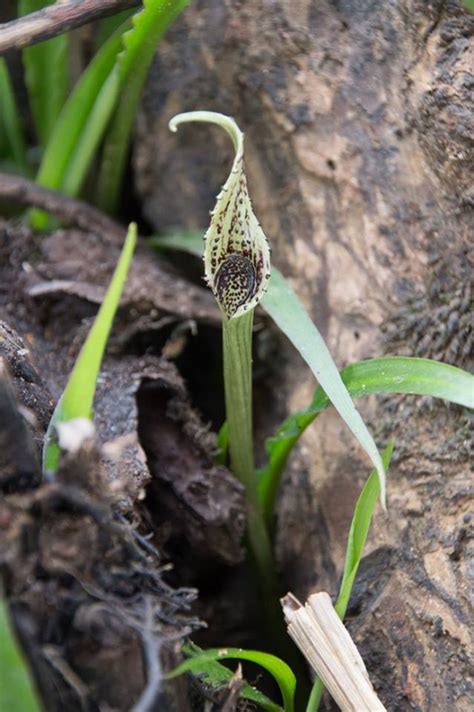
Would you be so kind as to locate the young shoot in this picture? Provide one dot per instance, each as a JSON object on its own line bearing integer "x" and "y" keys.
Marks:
{"x": 237, "y": 269}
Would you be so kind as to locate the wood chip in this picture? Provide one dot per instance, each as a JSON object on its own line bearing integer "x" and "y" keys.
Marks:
{"x": 324, "y": 641}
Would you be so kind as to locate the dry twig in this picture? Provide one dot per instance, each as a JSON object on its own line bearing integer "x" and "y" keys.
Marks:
{"x": 69, "y": 210}
{"x": 324, "y": 641}
{"x": 55, "y": 19}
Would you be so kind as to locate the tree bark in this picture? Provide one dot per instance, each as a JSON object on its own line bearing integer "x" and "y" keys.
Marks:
{"x": 358, "y": 118}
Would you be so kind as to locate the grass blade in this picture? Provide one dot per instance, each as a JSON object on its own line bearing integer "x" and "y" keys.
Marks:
{"x": 91, "y": 135}
{"x": 46, "y": 75}
{"x": 17, "y": 691}
{"x": 78, "y": 396}
{"x": 117, "y": 142}
{"x": 217, "y": 676}
{"x": 282, "y": 304}
{"x": 82, "y": 124}
{"x": 10, "y": 122}
{"x": 140, "y": 45}
{"x": 203, "y": 664}
{"x": 359, "y": 530}
{"x": 73, "y": 118}
{"x": 392, "y": 374}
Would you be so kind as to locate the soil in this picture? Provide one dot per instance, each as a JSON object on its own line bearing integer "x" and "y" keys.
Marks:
{"x": 86, "y": 558}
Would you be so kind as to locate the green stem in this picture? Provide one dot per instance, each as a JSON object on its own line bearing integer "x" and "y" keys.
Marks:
{"x": 315, "y": 696}
{"x": 237, "y": 341}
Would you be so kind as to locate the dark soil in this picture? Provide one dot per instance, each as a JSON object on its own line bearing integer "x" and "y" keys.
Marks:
{"x": 101, "y": 565}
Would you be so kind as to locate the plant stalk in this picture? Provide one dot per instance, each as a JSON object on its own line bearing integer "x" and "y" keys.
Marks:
{"x": 237, "y": 342}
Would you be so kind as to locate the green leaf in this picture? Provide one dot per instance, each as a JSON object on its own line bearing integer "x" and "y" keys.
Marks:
{"x": 360, "y": 525}
{"x": 190, "y": 241}
{"x": 73, "y": 119}
{"x": 91, "y": 135}
{"x": 140, "y": 44}
{"x": 392, "y": 374}
{"x": 17, "y": 691}
{"x": 469, "y": 5}
{"x": 46, "y": 75}
{"x": 359, "y": 530}
{"x": 10, "y": 122}
{"x": 282, "y": 304}
{"x": 203, "y": 663}
{"x": 216, "y": 675}
{"x": 222, "y": 444}
{"x": 87, "y": 114}
{"x": 78, "y": 396}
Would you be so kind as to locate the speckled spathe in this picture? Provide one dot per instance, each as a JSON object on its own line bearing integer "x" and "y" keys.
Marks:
{"x": 236, "y": 253}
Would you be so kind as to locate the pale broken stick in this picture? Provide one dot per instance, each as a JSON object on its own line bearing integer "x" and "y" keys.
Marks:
{"x": 324, "y": 641}
{"x": 55, "y": 19}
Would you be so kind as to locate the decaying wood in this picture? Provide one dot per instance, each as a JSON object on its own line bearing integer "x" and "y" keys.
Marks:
{"x": 324, "y": 641}
{"x": 358, "y": 119}
{"x": 21, "y": 191}
{"x": 19, "y": 467}
{"x": 55, "y": 19}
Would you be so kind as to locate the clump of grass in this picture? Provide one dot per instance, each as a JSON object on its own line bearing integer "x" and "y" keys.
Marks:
{"x": 94, "y": 121}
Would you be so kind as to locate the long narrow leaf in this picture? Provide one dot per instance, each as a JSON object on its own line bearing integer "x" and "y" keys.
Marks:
{"x": 393, "y": 374}
{"x": 140, "y": 45}
{"x": 282, "y": 304}
{"x": 46, "y": 75}
{"x": 217, "y": 676}
{"x": 91, "y": 135}
{"x": 17, "y": 691}
{"x": 73, "y": 118}
{"x": 102, "y": 90}
{"x": 10, "y": 122}
{"x": 78, "y": 396}
{"x": 359, "y": 530}
{"x": 281, "y": 672}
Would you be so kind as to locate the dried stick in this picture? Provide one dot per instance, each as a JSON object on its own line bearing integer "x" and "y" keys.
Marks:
{"x": 69, "y": 210}
{"x": 326, "y": 644}
{"x": 55, "y": 19}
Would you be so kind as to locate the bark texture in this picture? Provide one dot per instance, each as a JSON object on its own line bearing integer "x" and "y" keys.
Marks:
{"x": 359, "y": 121}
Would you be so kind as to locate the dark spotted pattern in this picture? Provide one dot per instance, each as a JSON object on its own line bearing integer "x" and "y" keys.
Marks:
{"x": 234, "y": 283}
